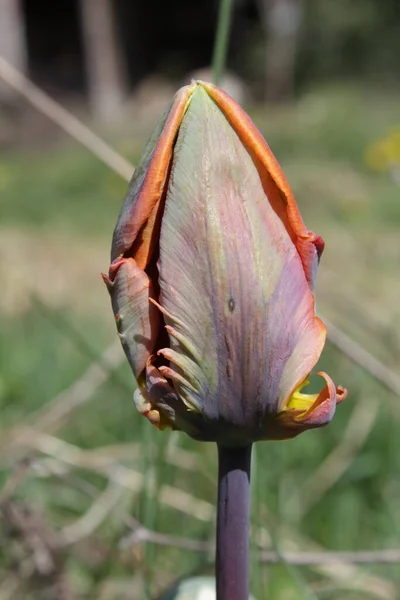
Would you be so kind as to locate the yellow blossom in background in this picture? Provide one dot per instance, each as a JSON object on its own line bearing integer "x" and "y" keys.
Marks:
{"x": 384, "y": 154}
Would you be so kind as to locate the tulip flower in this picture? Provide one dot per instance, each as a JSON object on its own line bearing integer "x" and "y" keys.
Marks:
{"x": 212, "y": 287}
{"x": 212, "y": 281}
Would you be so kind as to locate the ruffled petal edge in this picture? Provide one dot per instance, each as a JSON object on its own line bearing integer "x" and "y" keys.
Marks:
{"x": 309, "y": 245}
{"x": 136, "y": 230}
{"x": 291, "y": 420}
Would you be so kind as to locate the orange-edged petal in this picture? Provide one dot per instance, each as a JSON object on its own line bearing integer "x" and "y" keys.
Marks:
{"x": 308, "y": 244}
{"x": 291, "y": 420}
{"x": 137, "y": 319}
{"x": 233, "y": 291}
{"x": 138, "y": 224}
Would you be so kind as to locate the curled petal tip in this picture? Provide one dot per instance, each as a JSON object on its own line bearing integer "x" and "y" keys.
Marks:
{"x": 304, "y": 411}
{"x": 322, "y": 410}
{"x": 137, "y": 319}
{"x": 319, "y": 245}
{"x": 145, "y": 407}
{"x": 107, "y": 281}
{"x": 341, "y": 394}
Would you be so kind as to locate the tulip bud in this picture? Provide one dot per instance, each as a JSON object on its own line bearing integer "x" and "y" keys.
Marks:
{"x": 212, "y": 279}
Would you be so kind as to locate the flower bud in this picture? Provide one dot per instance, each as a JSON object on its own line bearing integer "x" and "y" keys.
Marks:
{"x": 212, "y": 280}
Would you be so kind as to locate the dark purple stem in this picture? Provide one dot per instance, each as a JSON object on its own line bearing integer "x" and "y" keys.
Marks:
{"x": 233, "y": 509}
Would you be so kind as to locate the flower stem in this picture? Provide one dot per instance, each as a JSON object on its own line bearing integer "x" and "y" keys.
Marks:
{"x": 232, "y": 558}
{"x": 221, "y": 39}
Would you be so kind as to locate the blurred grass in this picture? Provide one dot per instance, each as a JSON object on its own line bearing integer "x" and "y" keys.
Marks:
{"x": 58, "y": 210}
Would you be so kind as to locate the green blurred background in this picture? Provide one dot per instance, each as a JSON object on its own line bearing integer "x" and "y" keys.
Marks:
{"x": 89, "y": 489}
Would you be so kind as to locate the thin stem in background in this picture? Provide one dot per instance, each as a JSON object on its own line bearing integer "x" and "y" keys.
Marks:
{"x": 221, "y": 39}
{"x": 233, "y": 527}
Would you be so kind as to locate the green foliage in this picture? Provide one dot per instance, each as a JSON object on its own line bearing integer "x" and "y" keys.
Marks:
{"x": 349, "y": 38}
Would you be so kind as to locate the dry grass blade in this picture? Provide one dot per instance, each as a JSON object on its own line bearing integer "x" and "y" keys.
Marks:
{"x": 142, "y": 535}
{"x": 68, "y": 454}
{"x": 391, "y": 556}
{"x": 64, "y": 119}
{"x": 336, "y": 463}
{"x": 363, "y": 358}
{"x": 18, "y": 473}
{"x": 186, "y": 503}
{"x": 33, "y": 552}
{"x": 338, "y": 566}
{"x": 53, "y": 414}
{"x": 344, "y": 574}
{"x": 93, "y": 518}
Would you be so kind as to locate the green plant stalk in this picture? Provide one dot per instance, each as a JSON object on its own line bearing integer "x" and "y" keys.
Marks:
{"x": 221, "y": 39}
{"x": 233, "y": 511}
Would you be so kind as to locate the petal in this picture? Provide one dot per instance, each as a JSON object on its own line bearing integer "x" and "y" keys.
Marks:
{"x": 304, "y": 354}
{"x": 145, "y": 407}
{"x": 163, "y": 407}
{"x": 137, "y": 227}
{"x": 233, "y": 287}
{"x": 138, "y": 320}
{"x": 320, "y": 411}
{"x": 150, "y": 399}
{"x": 308, "y": 244}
